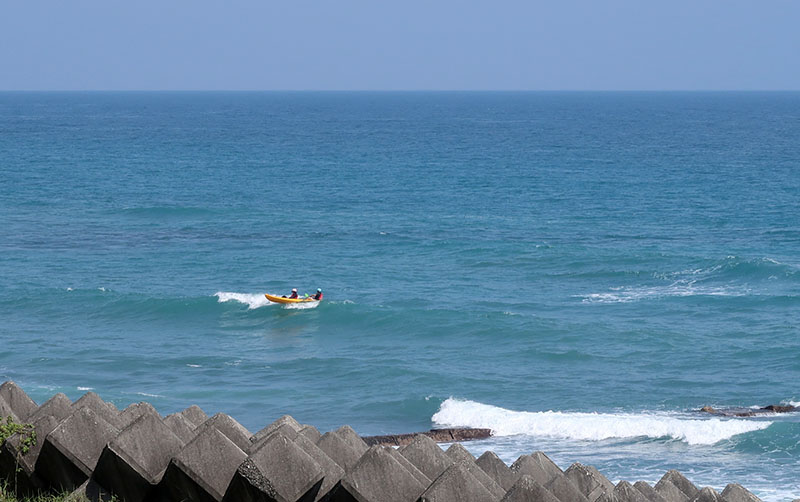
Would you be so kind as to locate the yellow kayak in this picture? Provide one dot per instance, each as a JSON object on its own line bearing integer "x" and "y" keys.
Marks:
{"x": 280, "y": 299}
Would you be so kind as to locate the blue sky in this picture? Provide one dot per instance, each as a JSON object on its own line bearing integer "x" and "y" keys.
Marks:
{"x": 410, "y": 44}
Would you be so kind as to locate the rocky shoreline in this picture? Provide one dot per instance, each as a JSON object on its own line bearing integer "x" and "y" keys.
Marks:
{"x": 94, "y": 450}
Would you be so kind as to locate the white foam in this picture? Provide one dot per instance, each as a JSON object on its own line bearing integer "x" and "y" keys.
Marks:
{"x": 301, "y": 306}
{"x": 677, "y": 289}
{"x": 791, "y": 403}
{"x": 590, "y": 426}
{"x": 145, "y": 394}
{"x": 85, "y": 388}
{"x": 253, "y": 301}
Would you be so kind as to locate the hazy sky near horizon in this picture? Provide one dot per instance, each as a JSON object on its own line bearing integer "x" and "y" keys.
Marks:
{"x": 413, "y": 44}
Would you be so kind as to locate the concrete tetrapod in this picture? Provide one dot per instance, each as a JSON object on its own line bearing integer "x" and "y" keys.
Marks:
{"x": 7, "y": 412}
{"x": 497, "y": 470}
{"x": 648, "y": 492}
{"x": 527, "y": 489}
{"x": 457, "y": 484}
{"x": 194, "y": 415}
{"x": 538, "y": 466}
{"x": 708, "y": 494}
{"x": 278, "y": 471}
{"x": 203, "y": 469}
{"x": 565, "y": 490}
{"x": 589, "y": 481}
{"x": 131, "y": 465}
{"x": 106, "y": 411}
{"x": 426, "y": 456}
{"x": 460, "y": 454}
{"x": 70, "y": 452}
{"x": 735, "y": 492}
{"x": 58, "y": 407}
{"x": 266, "y": 431}
{"x": 330, "y": 469}
{"x": 681, "y": 483}
{"x": 310, "y": 432}
{"x": 181, "y": 427}
{"x": 227, "y": 425}
{"x": 378, "y": 477}
{"x": 18, "y": 468}
{"x": 343, "y": 445}
{"x": 670, "y": 492}
{"x": 16, "y": 398}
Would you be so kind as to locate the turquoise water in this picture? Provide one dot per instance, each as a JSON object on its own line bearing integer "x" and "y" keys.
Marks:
{"x": 577, "y": 271}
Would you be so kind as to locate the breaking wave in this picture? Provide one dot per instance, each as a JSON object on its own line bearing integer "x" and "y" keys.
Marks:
{"x": 591, "y": 426}
{"x": 253, "y": 301}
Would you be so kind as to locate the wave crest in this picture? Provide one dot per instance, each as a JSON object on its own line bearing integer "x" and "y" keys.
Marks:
{"x": 590, "y": 426}
{"x": 253, "y": 301}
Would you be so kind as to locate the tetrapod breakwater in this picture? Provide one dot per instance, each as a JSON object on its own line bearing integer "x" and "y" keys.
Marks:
{"x": 95, "y": 451}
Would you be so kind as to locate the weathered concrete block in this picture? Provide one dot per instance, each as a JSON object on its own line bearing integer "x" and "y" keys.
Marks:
{"x": 564, "y": 490}
{"x": 670, "y": 492}
{"x": 708, "y": 494}
{"x": 458, "y": 453}
{"x": 737, "y": 493}
{"x": 538, "y": 466}
{"x": 457, "y": 484}
{"x": 266, "y": 431}
{"x": 6, "y": 412}
{"x": 279, "y": 471}
{"x": 378, "y": 477}
{"x": 235, "y": 431}
{"x": 134, "y": 411}
{"x": 70, "y": 452}
{"x": 180, "y": 426}
{"x": 497, "y": 470}
{"x": 16, "y": 398}
{"x": 310, "y": 432}
{"x": 194, "y": 415}
{"x": 18, "y": 468}
{"x": 426, "y": 456}
{"x": 203, "y": 469}
{"x": 589, "y": 481}
{"x": 131, "y": 465}
{"x": 527, "y": 489}
{"x": 331, "y": 471}
{"x": 106, "y": 411}
{"x": 343, "y": 445}
{"x": 285, "y": 429}
{"x": 681, "y": 483}
{"x": 648, "y": 491}
{"x": 421, "y": 477}
{"x": 625, "y": 492}
{"x": 59, "y": 407}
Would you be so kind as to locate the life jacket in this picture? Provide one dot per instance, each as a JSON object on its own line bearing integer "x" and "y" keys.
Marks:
{"x": 293, "y": 295}
{"x": 318, "y": 296}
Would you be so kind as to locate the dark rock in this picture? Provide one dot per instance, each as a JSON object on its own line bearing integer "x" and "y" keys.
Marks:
{"x": 16, "y": 398}
{"x": 497, "y": 470}
{"x": 527, "y": 489}
{"x": 438, "y": 435}
{"x": 343, "y": 445}
{"x": 131, "y": 465}
{"x": 70, "y": 452}
{"x": 426, "y": 456}
{"x": 457, "y": 484}
{"x": 58, "y": 407}
{"x": 203, "y": 469}
{"x": 737, "y": 493}
{"x": 378, "y": 477}
{"x": 778, "y": 408}
{"x": 278, "y": 471}
{"x": 589, "y": 481}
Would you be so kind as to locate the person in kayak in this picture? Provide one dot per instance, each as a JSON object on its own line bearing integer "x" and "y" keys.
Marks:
{"x": 318, "y": 296}
{"x": 293, "y": 295}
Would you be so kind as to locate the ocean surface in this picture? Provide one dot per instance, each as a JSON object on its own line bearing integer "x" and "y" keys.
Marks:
{"x": 579, "y": 272}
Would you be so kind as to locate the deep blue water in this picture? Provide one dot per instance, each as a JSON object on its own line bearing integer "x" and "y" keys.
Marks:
{"x": 577, "y": 271}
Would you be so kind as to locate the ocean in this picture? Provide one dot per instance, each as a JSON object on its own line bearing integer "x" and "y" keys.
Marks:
{"x": 580, "y": 272}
